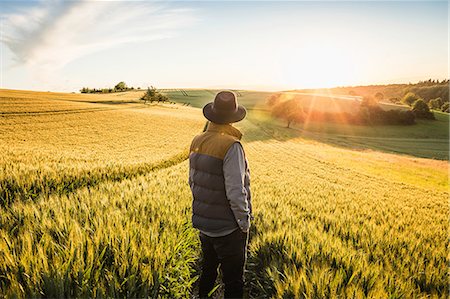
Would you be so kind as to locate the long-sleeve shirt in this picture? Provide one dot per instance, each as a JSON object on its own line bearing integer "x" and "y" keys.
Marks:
{"x": 236, "y": 173}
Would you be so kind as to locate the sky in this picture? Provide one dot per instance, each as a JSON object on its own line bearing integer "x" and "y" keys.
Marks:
{"x": 66, "y": 45}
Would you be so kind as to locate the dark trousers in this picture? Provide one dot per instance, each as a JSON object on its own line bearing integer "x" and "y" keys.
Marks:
{"x": 230, "y": 252}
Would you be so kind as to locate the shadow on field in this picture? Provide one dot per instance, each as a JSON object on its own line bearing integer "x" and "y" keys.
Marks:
{"x": 264, "y": 266}
{"x": 36, "y": 185}
{"x": 111, "y": 102}
{"x": 264, "y": 130}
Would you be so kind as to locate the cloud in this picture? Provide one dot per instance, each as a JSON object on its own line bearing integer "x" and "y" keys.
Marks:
{"x": 51, "y": 34}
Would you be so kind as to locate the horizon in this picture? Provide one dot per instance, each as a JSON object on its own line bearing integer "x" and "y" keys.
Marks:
{"x": 143, "y": 88}
{"x": 267, "y": 46}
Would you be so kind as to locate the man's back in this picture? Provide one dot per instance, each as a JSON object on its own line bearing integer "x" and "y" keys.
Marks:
{"x": 220, "y": 184}
{"x": 216, "y": 190}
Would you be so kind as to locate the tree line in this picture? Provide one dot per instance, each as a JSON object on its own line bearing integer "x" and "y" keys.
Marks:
{"x": 411, "y": 99}
{"x": 369, "y": 112}
{"x": 151, "y": 95}
{"x": 435, "y": 93}
{"x": 120, "y": 87}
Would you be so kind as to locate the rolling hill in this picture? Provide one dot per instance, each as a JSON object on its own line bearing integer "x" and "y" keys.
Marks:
{"x": 95, "y": 201}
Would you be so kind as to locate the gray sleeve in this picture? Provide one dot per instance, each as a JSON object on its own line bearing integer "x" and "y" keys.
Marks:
{"x": 234, "y": 170}
{"x": 190, "y": 179}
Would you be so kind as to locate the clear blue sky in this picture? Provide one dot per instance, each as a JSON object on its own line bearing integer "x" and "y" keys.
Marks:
{"x": 63, "y": 46}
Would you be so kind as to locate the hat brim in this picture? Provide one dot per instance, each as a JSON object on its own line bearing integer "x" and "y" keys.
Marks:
{"x": 211, "y": 115}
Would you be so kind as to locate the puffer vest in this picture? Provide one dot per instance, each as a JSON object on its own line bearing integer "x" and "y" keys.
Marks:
{"x": 211, "y": 208}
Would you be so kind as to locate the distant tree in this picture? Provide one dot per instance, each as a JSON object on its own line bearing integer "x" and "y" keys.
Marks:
{"x": 394, "y": 100}
{"x": 368, "y": 101}
{"x": 435, "y": 104}
{"x": 410, "y": 98}
{"x": 290, "y": 111}
{"x": 379, "y": 96}
{"x": 421, "y": 110}
{"x": 153, "y": 95}
{"x": 445, "y": 107}
{"x": 149, "y": 95}
{"x": 375, "y": 115}
{"x": 121, "y": 86}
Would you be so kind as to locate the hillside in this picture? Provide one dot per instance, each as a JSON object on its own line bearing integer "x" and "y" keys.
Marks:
{"x": 428, "y": 90}
{"x": 98, "y": 203}
{"x": 425, "y": 139}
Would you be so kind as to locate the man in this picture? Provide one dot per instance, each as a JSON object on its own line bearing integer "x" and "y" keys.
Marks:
{"x": 220, "y": 184}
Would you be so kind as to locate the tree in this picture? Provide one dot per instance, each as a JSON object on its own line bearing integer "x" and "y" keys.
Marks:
{"x": 290, "y": 111}
{"x": 379, "y": 96}
{"x": 435, "y": 104}
{"x": 421, "y": 110}
{"x": 368, "y": 101}
{"x": 410, "y": 98}
{"x": 153, "y": 95}
{"x": 149, "y": 95}
{"x": 121, "y": 86}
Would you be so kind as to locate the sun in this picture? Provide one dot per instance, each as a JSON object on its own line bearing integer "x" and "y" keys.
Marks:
{"x": 316, "y": 65}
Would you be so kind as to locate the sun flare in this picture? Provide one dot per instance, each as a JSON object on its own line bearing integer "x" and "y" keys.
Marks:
{"x": 321, "y": 64}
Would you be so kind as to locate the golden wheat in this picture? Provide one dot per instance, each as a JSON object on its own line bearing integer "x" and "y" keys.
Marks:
{"x": 114, "y": 219}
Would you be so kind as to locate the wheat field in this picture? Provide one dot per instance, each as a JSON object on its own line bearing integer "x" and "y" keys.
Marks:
{"x": 95, "y": 203}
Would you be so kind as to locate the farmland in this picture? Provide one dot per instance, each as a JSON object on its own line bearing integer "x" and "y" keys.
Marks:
{"x": 95, "y": 201}
{"x": 425, "y": 139}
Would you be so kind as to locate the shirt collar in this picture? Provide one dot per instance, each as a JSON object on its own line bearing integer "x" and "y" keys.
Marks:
{"x": 227, "y": 129}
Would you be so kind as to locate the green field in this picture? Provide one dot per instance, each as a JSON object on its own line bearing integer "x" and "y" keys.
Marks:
{"x": 426, "y": 139}
{"x": 95, "y": 201}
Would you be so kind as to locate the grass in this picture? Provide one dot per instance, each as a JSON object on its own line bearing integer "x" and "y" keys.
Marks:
{"x": 199, "y": 97}
{"x": 111, "y": 217}
{"x": 336, "y": 228}
{"x": 426, "y": 139}
{"x": 46, "y": 152}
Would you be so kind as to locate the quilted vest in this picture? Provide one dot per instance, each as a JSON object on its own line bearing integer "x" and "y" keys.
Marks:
{"x": 211, "y": 208}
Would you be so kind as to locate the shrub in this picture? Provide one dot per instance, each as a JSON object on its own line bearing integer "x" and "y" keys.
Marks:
{"x": 410, "y": 98}
{"x": 421, "y": 110}
{"x": 121, "y": 86}
{"x": 368, "y": 101}
{"x": 375, "y": 115}
{"x": 445, "y": 107}
{"x": 379, "y": 96}
{"x": 153, "y": 95}
{"x": 399, "y": 117}
{"x": 435, "y": 104}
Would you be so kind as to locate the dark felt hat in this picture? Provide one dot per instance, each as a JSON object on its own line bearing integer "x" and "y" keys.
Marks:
{"x": 225, "y": 109}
